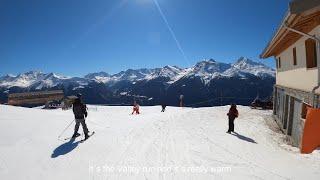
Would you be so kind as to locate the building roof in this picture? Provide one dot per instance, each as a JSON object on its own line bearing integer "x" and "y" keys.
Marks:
{"x": 37, "y": 93}
{"x": 72, "y": 97}
{"x": 304, "y": 16}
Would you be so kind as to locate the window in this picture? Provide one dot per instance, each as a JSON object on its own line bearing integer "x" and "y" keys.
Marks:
{"x": 311, "y": 53}
{"x": 279, "y": 63}
{"x": 294, "y": 56}
{"x": 304, "y": 110}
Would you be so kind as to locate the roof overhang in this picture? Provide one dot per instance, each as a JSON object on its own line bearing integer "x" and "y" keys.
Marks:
{"x": 304, "y": 16}
{"x": 300, "y": 6}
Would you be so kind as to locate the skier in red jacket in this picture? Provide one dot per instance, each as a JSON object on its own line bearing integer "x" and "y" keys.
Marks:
{"x": 135, "y": 108}
{"x": 232, "y": 114}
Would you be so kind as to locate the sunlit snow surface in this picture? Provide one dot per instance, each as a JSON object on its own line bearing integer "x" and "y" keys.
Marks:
{"x": 192, "y": 142}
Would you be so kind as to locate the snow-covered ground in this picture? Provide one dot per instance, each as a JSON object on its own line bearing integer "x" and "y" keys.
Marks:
{"x": 177, "y": 144}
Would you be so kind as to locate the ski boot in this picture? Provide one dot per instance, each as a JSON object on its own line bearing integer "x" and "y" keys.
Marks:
{"x": 76, "y": 135}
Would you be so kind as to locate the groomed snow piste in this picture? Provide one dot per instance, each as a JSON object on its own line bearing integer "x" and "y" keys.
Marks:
{"x": 181, "y": 143}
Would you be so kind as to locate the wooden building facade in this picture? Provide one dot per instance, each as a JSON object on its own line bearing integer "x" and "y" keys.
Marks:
{"x": 35, "y": 98}
{"x": 295, "y": 47}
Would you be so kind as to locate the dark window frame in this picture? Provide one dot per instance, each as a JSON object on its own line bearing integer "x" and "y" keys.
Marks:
{"x": 311, "y": 53}
{"x": 279, "y": 63}
{"x": 294, "y": 52}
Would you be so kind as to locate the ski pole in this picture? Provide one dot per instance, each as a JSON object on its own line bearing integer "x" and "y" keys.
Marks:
{"x": 65, "y": 129}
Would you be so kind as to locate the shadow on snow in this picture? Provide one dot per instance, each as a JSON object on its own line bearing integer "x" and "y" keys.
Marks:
{"x": 242, "y": 137}
{"x": 65, "y": 148}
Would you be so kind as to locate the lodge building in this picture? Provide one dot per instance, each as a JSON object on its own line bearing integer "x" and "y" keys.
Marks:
{"x": 35, "y": 98}
{"x": 296, "y": 49}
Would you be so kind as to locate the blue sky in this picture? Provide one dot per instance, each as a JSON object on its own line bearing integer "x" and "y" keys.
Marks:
{"x": 75, "y": 37}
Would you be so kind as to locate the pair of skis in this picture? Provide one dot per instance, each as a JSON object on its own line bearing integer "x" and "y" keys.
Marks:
{"x": 81, "y": 141}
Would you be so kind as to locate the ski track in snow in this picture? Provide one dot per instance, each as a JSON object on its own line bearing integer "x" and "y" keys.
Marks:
{"x": 179, "y": 137}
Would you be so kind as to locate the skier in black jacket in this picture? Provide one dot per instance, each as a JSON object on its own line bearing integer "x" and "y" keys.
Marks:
{"x": 80, "y": 112}
{"x": 163, "y": 105}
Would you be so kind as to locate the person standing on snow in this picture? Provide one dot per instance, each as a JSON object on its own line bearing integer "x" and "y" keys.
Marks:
{"x": 163, "y": 105}
{"x": 80, "y": 113}
{"x": 232, "y": 114}
{"x": 135, "y": 108}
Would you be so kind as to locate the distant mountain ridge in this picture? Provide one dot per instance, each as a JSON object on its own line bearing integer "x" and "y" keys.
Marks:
{"x": 150, "y": 85}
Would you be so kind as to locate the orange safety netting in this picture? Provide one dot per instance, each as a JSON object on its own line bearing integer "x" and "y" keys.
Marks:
{"x": 311, "y": 132}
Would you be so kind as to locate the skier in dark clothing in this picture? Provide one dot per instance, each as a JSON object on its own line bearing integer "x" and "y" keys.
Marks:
{"x": 163, "y": 107}
{"x": 80, "y": 113}
{"x": 232, "y": 114}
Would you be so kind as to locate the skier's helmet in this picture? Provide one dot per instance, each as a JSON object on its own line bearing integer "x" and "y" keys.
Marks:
{"x": 79, "y": 95}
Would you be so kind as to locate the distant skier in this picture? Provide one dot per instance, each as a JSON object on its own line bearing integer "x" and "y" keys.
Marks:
{"x": 163, "y": 105}
{"x": 80, "y": 113}
{"x": 232, "y": 114}
{"x": 136, "y": 108}
{"x": 181, "y": 100}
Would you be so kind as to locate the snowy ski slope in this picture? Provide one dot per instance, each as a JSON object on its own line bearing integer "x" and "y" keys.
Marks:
{"x": 178, "y": 144}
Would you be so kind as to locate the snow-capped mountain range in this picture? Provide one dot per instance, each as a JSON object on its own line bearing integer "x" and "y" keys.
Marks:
{"x": 206, "y": 70}
{"x": 201, "y": 81}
